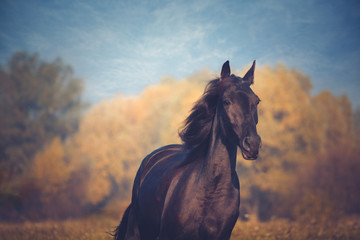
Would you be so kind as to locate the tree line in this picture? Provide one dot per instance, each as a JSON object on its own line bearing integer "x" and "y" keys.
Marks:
{"x": 59, "y": 161}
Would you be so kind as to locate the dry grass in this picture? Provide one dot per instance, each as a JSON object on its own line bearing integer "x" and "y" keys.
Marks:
{"x": 96, "y": 228}
{"x": 346, "y": 228}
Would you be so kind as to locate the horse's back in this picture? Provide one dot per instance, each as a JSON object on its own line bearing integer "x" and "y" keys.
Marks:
{"x": 157, "y": 156}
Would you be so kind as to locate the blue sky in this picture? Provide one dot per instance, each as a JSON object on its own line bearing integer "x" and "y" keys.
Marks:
{"x": 124, "y": 46}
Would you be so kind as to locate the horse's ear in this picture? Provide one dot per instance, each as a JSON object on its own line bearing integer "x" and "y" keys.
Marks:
{"x": 225, "y": 71}
{"x": 249, "y": 76}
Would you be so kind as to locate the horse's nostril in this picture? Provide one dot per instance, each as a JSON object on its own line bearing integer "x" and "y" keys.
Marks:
{"x": 251, "y": 143}
{"x": 246, "y": 144}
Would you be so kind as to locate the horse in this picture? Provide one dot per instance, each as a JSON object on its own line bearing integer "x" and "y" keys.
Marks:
{"x": 191, "y": 190}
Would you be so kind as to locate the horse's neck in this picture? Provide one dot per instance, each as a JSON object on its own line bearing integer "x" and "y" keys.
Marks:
{"x": 220, "y": 160}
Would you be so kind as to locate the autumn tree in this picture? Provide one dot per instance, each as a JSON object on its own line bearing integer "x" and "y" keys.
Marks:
{"x": 308, "y": 164}
{"x": 297, "y": 131}
{"x": 357, "y": 124}
{"x": 116, "y": 134}
{"x": 38, "y": 101}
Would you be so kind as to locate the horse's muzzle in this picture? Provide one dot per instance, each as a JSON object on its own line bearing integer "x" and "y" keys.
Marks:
{"x": 250, "y": 147}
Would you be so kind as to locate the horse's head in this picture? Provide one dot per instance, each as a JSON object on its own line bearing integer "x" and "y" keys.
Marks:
{"x": 239, "y": 103}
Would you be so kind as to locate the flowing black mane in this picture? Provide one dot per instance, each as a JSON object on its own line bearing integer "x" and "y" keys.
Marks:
{"x": 198, "y": 124}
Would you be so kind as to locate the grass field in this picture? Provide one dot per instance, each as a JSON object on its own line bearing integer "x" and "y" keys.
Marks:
{"x": 346, "y": 228}
{"x": 96, "y": 228}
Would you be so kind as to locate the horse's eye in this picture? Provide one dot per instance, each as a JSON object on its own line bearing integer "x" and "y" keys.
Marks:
{"x": 226, "y": 102}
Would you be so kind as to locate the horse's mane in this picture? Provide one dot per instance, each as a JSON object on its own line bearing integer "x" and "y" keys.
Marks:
{"x": 198, "y": 124}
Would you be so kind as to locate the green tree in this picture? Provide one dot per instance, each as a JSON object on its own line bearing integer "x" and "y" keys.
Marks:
{"x": 38, "y": 101}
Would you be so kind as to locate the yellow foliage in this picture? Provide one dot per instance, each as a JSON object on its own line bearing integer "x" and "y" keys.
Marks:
{"x": 115, "y": 135}
{"x": 49, "y": 169}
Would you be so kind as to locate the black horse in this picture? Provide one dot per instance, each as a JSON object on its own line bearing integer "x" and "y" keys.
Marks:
{"x": 191, "y": 191}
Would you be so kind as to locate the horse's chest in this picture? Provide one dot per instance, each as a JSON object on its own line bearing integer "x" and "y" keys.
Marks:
{"x": 220, "y": 205}
{"x": 208, "y": 200}
{"x": 199, "y": 209}
{"x": 202, "y": 214}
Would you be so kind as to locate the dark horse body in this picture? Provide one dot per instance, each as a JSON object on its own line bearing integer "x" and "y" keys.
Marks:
{"x": 191, "y": 191}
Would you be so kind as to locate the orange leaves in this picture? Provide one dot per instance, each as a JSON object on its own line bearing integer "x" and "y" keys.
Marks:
{"x": 117, "y": 134}
{"x": 97, "y": 165}
{"x": 49, "y": 169}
